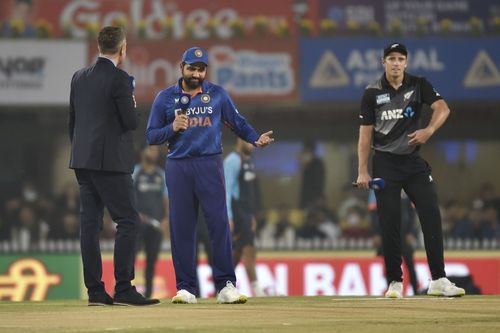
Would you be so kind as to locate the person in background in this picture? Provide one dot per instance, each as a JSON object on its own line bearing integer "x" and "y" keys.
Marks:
{"x": 489, "y": 197}
{"x": 458, "y": 219}
{"x": 27, "y": 196}
{"x": 313, "y": 176}
{"x": 280, "y": 234}
{"x": 152, "y": 205}
{"x": 241, "y": 198}
{"x": 19, "y": 24}
{"x": 29, "y": 229}
{"x": 68, "y": 208}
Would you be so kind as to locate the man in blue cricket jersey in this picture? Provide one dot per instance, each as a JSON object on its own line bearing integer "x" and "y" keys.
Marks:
{"x": 194, "y": 171}
{"x": 242, "y": 202}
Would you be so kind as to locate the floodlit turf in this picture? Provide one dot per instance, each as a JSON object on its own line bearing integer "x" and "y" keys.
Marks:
{"x": 474, "y": 314}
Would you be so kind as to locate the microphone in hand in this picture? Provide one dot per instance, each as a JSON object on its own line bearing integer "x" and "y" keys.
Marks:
{"x": 131, "y": 82}
{"x": 184, "y": 101}
{"x": 374, "y": 184}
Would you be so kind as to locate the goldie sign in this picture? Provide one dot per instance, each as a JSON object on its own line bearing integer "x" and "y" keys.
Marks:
{"x": 39, "y": 278}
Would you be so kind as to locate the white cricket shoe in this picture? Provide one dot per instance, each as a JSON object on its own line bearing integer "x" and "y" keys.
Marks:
{"x": 230, "y": 295}
{"x": 184, "y": 297}
{"x": 444, "y": 287}
{"x": 395, "y": 290}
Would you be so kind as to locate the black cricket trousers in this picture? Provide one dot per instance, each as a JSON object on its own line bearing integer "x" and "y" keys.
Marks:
{"x": 412, "y": 174}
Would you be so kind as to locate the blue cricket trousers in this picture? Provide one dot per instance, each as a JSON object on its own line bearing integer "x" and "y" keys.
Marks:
{"x": 192, "y": 182}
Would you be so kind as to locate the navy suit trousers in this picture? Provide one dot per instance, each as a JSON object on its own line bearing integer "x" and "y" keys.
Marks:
{"x": 113, "y": 190}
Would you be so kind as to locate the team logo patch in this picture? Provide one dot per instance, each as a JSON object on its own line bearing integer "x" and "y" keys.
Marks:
{"x": 198, "y": 53}
{"x": 184, "y": 100}
{"x": 408, "y": 95}
{"x": 408, "y": 113}
{"x": 205, "y": 98}
{"x": 384, "y": 98}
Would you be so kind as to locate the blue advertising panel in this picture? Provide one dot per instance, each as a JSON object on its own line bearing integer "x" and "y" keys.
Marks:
{"x": 459, "y": 69}
{"x": 414, "y": 16}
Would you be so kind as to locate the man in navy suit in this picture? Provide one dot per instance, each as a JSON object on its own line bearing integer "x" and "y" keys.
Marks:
{"x": 101, "y": 120}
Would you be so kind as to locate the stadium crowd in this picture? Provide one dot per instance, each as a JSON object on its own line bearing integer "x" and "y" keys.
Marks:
{"x": 30, "y": 217}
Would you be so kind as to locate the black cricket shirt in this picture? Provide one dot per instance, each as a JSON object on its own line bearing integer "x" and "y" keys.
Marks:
{"x": 395, "y": 113}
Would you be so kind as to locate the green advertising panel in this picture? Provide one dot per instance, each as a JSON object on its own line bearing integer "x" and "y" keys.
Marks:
{"x": 40, "y": 277}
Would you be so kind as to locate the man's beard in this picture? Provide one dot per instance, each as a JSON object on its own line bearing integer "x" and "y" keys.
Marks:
{"x": 193, "y": 83}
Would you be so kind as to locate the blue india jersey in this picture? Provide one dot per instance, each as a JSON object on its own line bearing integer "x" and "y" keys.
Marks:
{"x": 206, "y": 112}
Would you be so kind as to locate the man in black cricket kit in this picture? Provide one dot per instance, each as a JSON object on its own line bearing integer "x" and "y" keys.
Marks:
{"x": 102, "y": 117}
{"x": 152, "y": 204}
{"x": 390, "y": 121}
{"x": 242, "y": 204}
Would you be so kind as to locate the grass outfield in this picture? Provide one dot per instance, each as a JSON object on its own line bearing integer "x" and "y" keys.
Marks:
{"x": 475, "y": 314}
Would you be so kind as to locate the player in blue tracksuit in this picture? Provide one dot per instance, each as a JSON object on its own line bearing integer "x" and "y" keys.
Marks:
{"x": 194, "y": 172}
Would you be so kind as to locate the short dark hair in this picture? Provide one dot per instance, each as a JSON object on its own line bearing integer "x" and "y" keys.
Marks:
{"x": 110, "y": 40}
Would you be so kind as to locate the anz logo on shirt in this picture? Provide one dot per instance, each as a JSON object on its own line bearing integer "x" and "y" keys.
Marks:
{"x": 397, "y": 114}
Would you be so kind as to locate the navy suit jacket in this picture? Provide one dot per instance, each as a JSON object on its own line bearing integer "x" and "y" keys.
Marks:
{"x": 102, "y": 116}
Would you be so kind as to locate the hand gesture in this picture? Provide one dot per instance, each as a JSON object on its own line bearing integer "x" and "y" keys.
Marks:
{"x": 419, "y": 137}
{"x": 264, "y": 140}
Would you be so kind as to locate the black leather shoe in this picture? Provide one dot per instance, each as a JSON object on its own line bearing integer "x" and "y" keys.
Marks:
{"x": 100, "y": 299}
{"x": 131, "y": 297}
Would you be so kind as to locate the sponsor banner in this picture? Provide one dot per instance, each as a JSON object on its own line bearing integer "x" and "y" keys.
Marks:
{"x": 59, "y": 276}
{"x": 250, "y": 71}
{"x": 340, "y": 69}
{"x": 38, "y": 72}
{"x": 346, "y": 12}
{"x": 415, "y": 16}
{"x": 74, "y": 17}
{"x": 312, "y": 276}
{"x": 40, "y": 277}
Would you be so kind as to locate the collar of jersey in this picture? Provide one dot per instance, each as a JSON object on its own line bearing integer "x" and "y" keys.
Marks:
{"x": 202, "y": 89}
{"x": 386, "y": 84}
